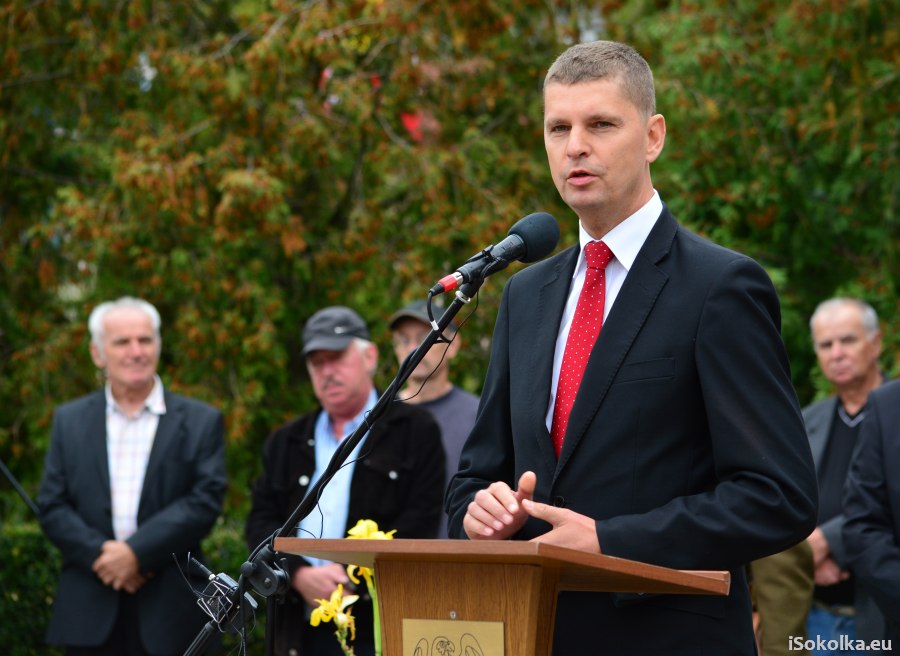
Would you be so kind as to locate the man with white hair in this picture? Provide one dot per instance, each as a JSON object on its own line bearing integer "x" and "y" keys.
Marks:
{"x": 135, "y": 474}
{"x": 808, "y": 590}
{"x": 847, "y": 341}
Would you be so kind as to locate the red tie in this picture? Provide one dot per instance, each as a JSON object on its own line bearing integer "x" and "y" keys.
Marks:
{"x": 582, "y": 334}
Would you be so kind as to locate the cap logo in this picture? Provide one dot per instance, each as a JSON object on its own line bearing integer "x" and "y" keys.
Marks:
{"x": 340, "y": 330}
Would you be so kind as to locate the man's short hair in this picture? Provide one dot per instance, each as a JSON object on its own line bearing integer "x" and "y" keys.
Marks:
{"x": 866, "y": 311}
{"x": 607, "y": 60}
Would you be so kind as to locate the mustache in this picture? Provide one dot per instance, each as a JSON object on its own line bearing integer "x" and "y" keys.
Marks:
{"x": 329, "y": 381}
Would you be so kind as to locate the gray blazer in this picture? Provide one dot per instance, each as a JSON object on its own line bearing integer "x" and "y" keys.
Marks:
{"x": 181, "y": 499}
{"x": 819, "y": 418}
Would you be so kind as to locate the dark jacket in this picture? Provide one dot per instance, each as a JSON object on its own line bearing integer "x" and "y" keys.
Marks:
{"x": 398, "y": 482}
{"x": 872, "y": 504}
{"x": 180, "y": 501}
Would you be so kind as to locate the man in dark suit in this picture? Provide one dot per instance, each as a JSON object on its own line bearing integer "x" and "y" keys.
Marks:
{"x": 684, "y": 445}
{"x": 134, "y": 475}
{"x": 394, "y": 477}
{"x": 872, "y": 505}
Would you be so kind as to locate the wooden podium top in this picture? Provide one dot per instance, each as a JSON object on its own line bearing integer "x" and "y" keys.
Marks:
{"x": 578, "y": 571}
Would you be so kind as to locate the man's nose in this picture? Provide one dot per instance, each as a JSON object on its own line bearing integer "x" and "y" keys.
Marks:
{"x": 577, "y": 145}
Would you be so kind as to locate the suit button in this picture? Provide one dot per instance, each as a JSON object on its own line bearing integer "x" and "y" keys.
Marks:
{"x": 303, "y": 480}
{"x": 559, "y": 502}
{"x": 311, "y": 441}
{"x": 393, "y": 475}
{"x": 293, "y": 652}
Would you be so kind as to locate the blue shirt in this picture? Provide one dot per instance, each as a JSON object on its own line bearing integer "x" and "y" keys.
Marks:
{"x": 329, "y": 518}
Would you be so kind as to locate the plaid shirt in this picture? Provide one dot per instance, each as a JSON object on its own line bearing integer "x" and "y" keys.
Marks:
{"x": 128, "y": 444}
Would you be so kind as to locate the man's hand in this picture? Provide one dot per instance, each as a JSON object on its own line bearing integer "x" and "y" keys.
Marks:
{"x": 496, "y": 513}
{"x": 819, "y": 545}
{"x": 319, "y": 582}
{"x": 117, "y": 566}
{"x": 570, "y": 529}
{"x": 828, "y": 572}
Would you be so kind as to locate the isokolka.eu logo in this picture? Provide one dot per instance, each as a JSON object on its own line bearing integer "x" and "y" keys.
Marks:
{"x": 844, "y": 643}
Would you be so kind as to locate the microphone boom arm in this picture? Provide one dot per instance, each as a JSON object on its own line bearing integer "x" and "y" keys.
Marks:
{"x": 261, "y": 571}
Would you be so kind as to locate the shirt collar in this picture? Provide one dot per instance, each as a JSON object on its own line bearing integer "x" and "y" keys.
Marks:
{"x": 627, "y": 238}
{"x": 154, "y": 403}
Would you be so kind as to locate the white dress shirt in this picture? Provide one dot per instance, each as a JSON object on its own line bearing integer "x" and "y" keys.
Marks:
{"x": 625, "y": 240}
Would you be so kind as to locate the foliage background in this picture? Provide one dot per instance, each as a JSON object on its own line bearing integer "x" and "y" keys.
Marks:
{"x": 242, "y": 164}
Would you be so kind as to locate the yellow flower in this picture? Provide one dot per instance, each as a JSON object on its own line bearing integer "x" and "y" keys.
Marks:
{"x": 333, "y": 609}
{"x": 365, "y": 572}
{"x": 366, "y": 529}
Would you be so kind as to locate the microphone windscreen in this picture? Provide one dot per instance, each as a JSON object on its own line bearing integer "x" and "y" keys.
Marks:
{"x": 540, "y": 232}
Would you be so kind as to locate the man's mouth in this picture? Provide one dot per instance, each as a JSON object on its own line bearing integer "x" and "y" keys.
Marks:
{"x": 579, "y": 177}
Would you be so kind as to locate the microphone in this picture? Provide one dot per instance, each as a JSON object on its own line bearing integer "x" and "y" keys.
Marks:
{"x": 530, "y": 239}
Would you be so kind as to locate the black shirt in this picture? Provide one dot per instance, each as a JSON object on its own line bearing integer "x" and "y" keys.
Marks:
{"x": 832, "y": 474}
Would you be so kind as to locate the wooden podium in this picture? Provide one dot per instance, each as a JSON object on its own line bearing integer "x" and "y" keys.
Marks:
{"x": 508, "y": 582}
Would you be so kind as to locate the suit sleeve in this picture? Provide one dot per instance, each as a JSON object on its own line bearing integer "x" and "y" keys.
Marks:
{"x": 79, "y": 541}
{"x": 764, "y": 496}
{"x": 183, "y": 523}
{"x": 488, "y": 454}
{"x": 872, "y": 550}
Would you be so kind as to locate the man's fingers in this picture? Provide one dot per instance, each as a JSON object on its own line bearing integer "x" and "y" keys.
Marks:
{"x": 487, "y": 515}
{"x": 498, "y": 501}
{"x": 527, "y": 483}
{"x": 543, "y": 511}
{"x": 502, "y": 495}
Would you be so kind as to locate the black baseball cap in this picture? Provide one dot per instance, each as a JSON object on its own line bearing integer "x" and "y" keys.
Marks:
{"x": 332, "y": 329}
{"x": 418, "y": 310}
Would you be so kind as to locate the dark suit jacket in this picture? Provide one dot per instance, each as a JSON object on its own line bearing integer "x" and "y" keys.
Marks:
{"x": 398, "y": 482}
{"x": 819, "y": 418}
{"x": 181, "y": 499}
{"x": 685, "y": 442}
{"x": 872, "y": 504}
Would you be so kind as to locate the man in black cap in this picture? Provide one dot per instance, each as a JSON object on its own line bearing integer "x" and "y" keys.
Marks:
{"x": 394, "y": 477}
{"x": 429, "y": 385}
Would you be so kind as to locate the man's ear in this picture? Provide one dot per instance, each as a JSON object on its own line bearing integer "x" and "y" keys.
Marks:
{"x": 97, "y": 357}
{"x": 656, "y": 136}
{"x": 371, "y": 358}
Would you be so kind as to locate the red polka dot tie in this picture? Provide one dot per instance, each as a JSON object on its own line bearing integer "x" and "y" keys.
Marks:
{"x": 583, "y": 333}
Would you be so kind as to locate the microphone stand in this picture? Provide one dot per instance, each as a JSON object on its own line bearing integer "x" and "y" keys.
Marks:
{"x": 268, "y": 577}
{"x": 18, "y": 488}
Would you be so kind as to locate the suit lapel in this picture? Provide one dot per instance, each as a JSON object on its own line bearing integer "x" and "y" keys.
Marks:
{"x": 552, "y": 298}
{"x": 166, "y": 432}
{"x": 94, "y": 441}
{"x": 819, "y": 428}
{"x": 633, "y": 304}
